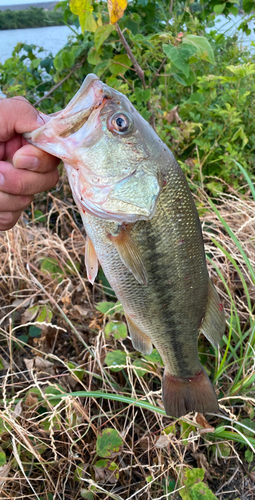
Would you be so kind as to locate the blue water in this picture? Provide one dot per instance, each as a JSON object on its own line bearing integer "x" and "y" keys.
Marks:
{"x": 51, "y": 38}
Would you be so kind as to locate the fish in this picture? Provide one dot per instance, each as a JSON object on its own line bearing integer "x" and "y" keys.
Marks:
{"x": 142, "y": 226}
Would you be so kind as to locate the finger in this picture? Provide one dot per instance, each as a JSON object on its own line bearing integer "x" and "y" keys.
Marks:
{"x": 8, "y": 219}
{"x": 31, "y": 158}
{"x": 18, "y": 116}
{"x": 24, "y": 182}
{"x": 14, "y": 203}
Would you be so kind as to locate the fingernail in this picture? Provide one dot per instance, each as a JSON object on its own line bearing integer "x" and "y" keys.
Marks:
{"x": 26, "y": 162}
{"x": 5, "y": 217}
{"x": 2, "y": 179}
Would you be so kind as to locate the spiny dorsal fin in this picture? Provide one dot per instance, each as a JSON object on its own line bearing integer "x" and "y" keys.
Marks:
{"x": 213, "y": 324}
{"x": 91, "y": 261}
{"x": 129, "y": 254}
{"x": 140, "y": 340}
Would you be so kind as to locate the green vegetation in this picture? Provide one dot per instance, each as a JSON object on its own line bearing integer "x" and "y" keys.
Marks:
{"x": 76, "y": 395}
{"x": 33, "y": 17}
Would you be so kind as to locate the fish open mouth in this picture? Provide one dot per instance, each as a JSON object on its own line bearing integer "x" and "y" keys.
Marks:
{"x": 89, "y": 98}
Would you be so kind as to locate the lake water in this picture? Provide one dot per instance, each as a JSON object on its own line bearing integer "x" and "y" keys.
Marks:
{"x": 53, "y": 38}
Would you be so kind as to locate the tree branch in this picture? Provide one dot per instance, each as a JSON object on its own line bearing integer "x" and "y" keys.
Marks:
{"x": 60, "y": 83}
{"x": 131, "y": 56}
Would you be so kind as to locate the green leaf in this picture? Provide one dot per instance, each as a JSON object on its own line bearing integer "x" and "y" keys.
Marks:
{"x": 218, "y": 9}
{"x": 84, "y": 9}
{"x": 141, "y": 369}
{"x": 101, "y": 463}
{"x": 114, "y": 358}
{"x": 202, "y": 46}
{"x": 39, "y": 216}
{"x": 79, "y": 372}
{"x": 154, "y": 357}
{"x": 50, "y": 265}
{"x": 191, "y": 477}
{"x": 53, "y": 391}
{"x": 58, "y": 62}
{"x": 186, "y": 82}
{"x": 23, "y": 338}
{"x": 249, "y": 455}
{"x": 45, "y": 315}
{"x": 87, "y": 494}
{"x": 233, "y": 10}
{"x": 93, "y": 57}
{"x": 119, "y": 64}
{"x": 117, "y": 328}
{"x": 110, "y": 442}
{"x": 1, "y": 365}
{"x": 34, "y": 331}
{"x": 102, "y": 33}
{"x": 109, "y": 308}
{"x": 2, "y": 458}
{"x": 176, "y": 58}
{"x": 68, "y": 58}
{"x": 201, "y": 491}
{"x": 142, "y": 95}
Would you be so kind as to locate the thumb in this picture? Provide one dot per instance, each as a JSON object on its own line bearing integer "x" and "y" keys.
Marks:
{"x": 17, "y": 116}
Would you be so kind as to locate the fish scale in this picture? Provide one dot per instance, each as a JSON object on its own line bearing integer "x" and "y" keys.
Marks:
{"x": 158, "y": 309}
{"x": 142, "y": 225}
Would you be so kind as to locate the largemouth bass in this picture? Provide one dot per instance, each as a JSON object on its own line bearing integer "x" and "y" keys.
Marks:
{"x": 142, "y": 226}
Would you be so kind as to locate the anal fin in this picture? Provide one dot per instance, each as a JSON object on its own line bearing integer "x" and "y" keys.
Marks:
{"x": 140, "y": 340}
{"x": 213, "y": 324}
{"x": 129, "y": 254}
{"x": 91, "y": 261}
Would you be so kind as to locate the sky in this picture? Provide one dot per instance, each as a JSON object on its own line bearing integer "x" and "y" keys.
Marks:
{"x": 20, "y": 2}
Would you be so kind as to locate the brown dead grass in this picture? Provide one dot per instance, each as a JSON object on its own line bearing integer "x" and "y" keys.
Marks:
{"x": 51, "y": 448}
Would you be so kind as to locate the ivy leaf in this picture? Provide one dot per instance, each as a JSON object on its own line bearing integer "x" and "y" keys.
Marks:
{"x": 116, "y": 9}
{"x": 202, "y": 46}
{"x": 115, "y": 359}
{"x": 84, "y": 9}
{"x": 117, "y": 328}
{"x": 109, "y": 443}
{"x": 101, "y": 34}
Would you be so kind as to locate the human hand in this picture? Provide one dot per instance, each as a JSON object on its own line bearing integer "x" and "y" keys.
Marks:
{"x": 24, "y": 169}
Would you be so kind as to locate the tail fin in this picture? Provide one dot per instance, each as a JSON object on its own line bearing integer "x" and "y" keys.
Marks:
{"x": 182, "y": 395}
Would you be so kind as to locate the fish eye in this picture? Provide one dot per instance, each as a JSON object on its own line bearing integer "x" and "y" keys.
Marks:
{"x": 122, "y": 123}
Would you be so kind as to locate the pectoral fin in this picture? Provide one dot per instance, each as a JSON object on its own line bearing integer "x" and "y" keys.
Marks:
{"x": 91, "y": 261}
{"x": 140, "y": 340}
{"x": 213, "y": 324}
{"x": 130, "y": 255}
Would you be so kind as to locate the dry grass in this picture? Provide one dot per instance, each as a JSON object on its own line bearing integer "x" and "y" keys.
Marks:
{"x": 50, "y": 445}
